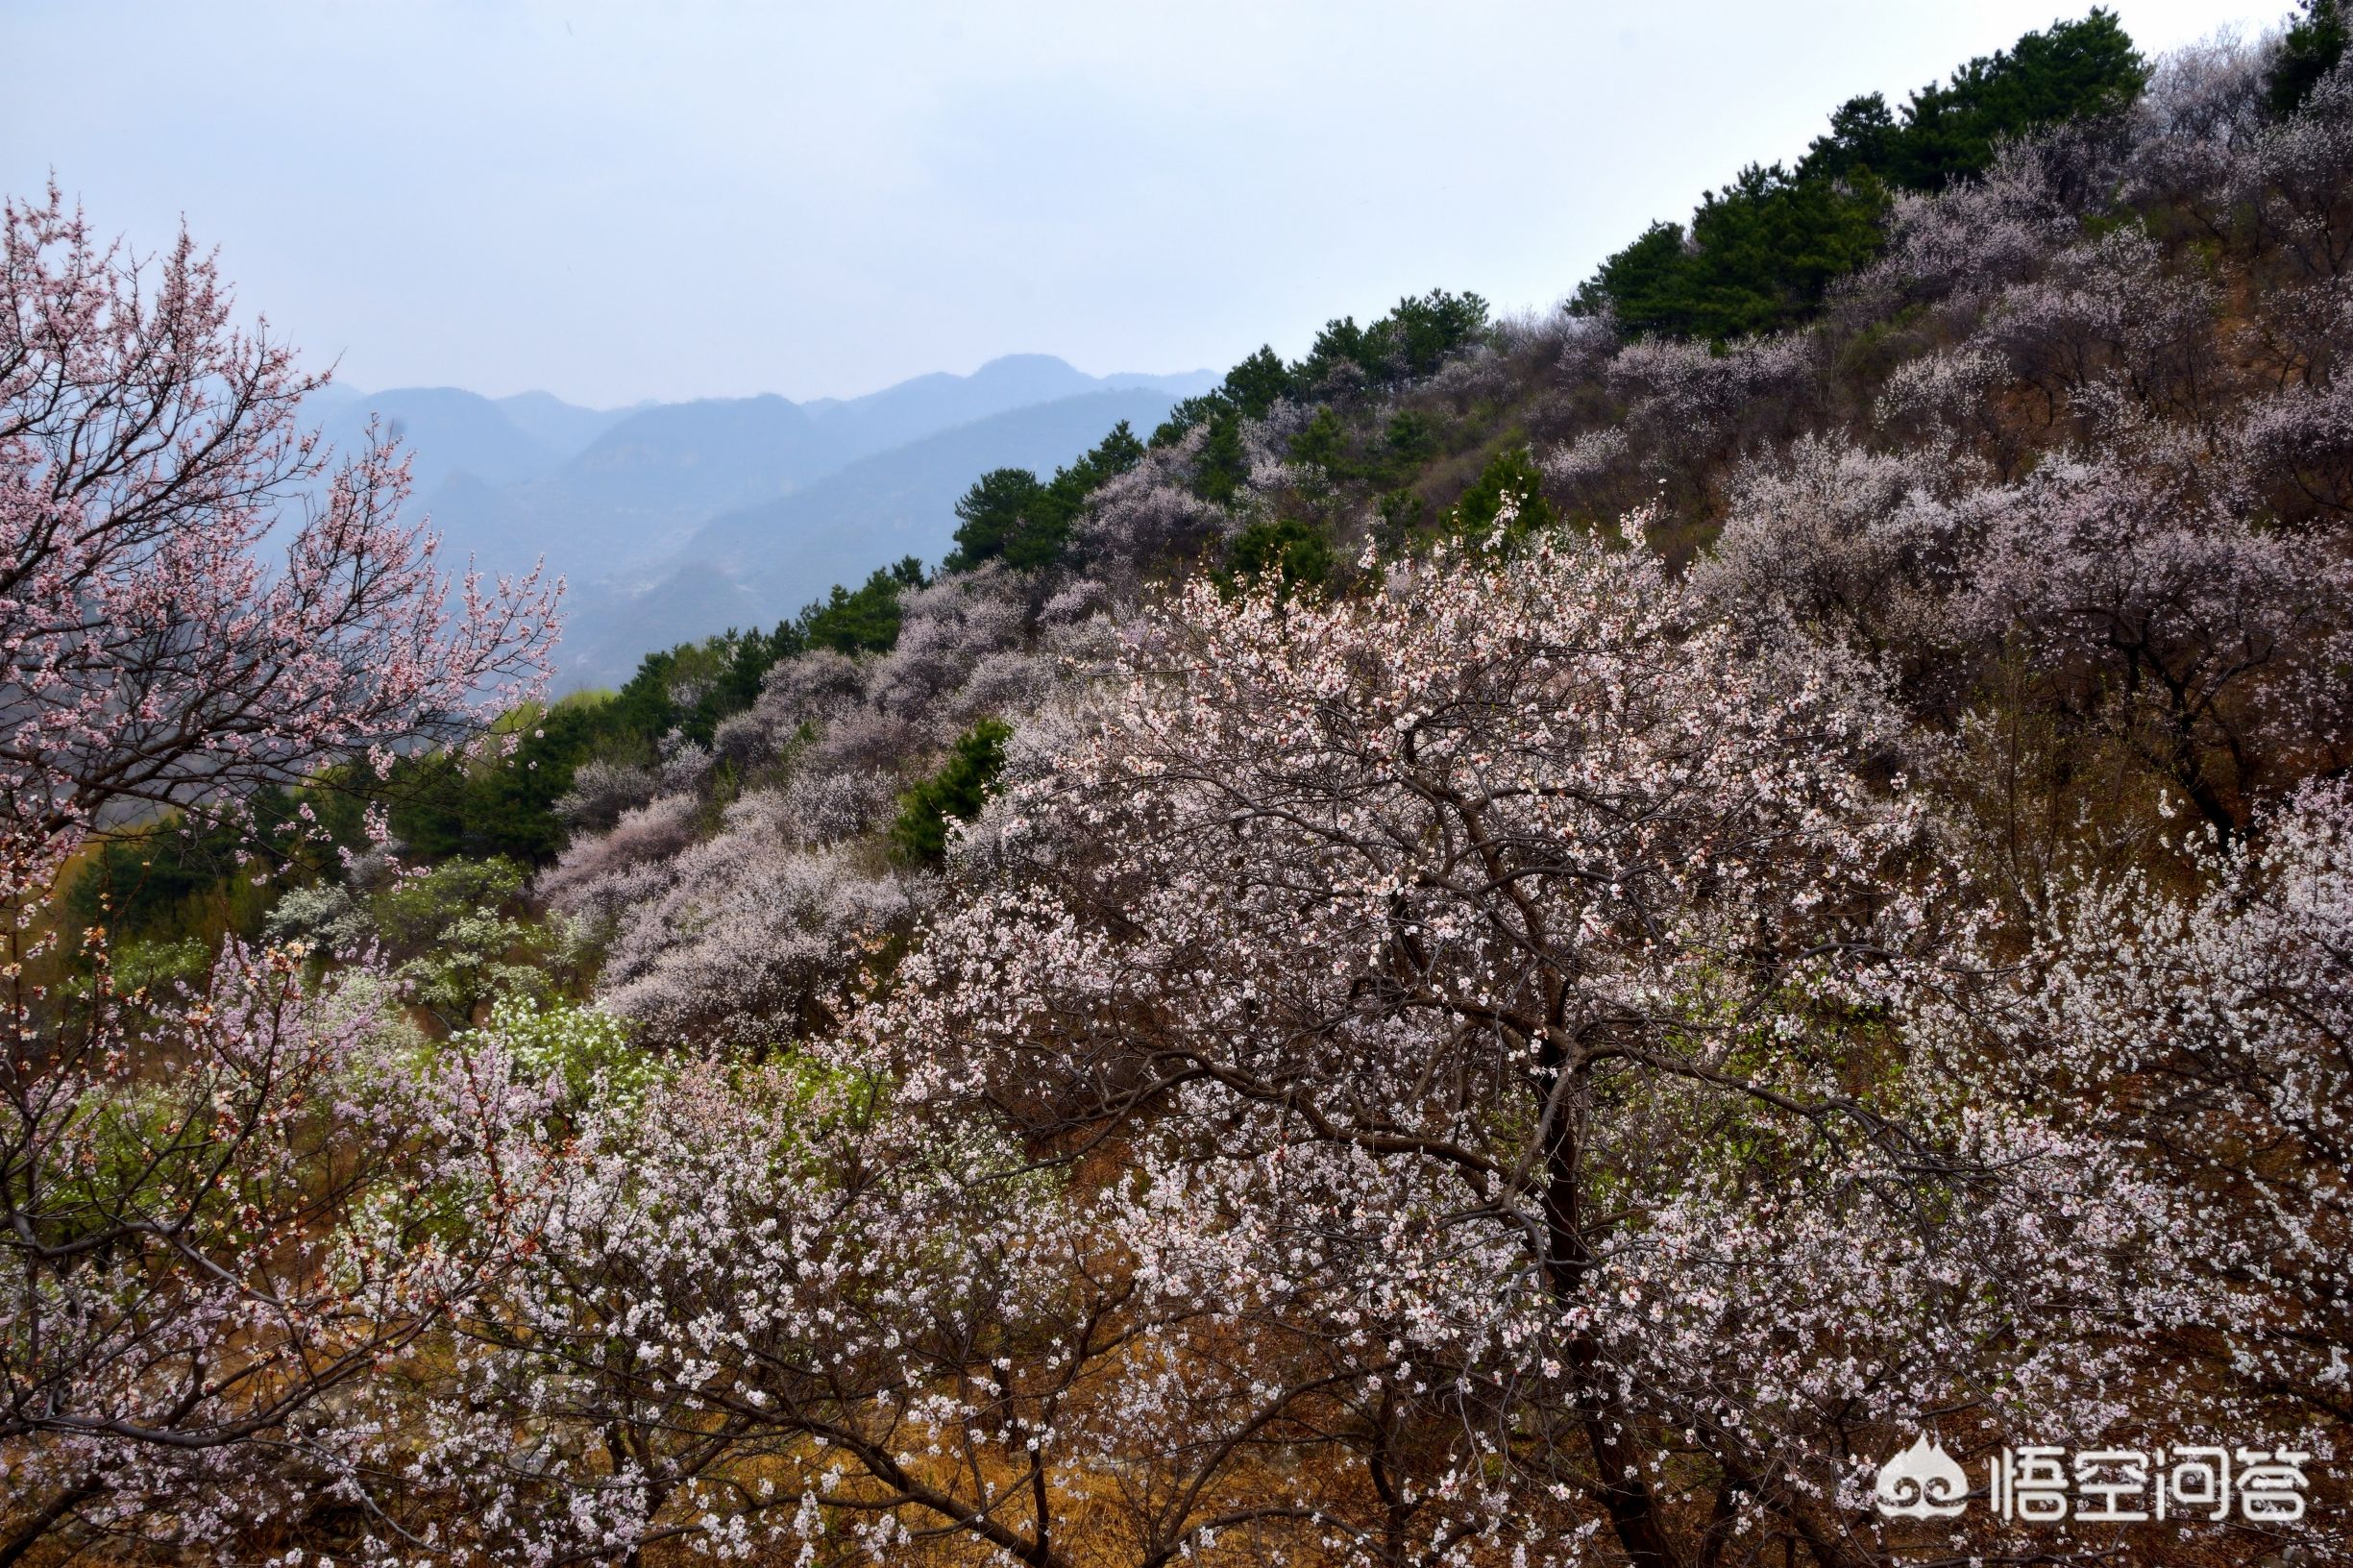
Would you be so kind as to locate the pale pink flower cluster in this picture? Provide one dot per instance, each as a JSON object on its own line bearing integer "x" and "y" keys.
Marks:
{"x": 223, "y": 1209}
{"x": 154, "y": 653}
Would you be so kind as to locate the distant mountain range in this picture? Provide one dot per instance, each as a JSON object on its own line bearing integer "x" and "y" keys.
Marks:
{"x": 672, "y": 521}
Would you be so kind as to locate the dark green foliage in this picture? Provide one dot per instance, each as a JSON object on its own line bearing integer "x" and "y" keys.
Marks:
{"x": 1863, "y": 136}
{"x": 1294, "y": 552}
{"x": 645, "y": 708}
{"x": 1412, "y": 340}
{"x": 1511, "y": 473}
{"x": 991, "y": 513}
{"x": 1644, "y": 284}
{"x": 2076, "y": 71}
{"x": 1048, "y": 533}
{"x": 163, "y": 882}
{"x": 183, "y": 880}
{"x": 920, "y": 835}
{"x": 1341, "y": 342}
{"x": 1771, "y": 246}
{"x": 750, "y": 657}
{"x": 1323, "y": 445}
{"x": 1192, "y": 411}
{"x": 1250, "y": 390}
{"x": 689, "y": 688}
{"x": 443, "y": 805}
{"x": 1221, "y": 465}
{"x": 1762, "y": 255}
{"x": 2314, "y": 45}
{"x": 1402, "y": 511}
{"x": 1258, "y": 384}
{"x": 1411, "y": 440}
{"x": 866, "y": 621}
{"x": 1420, "y": 333}
{"x": 1115, "y": 453}
{"x": 1008, "y": 515}
{"x": 1762, "y": 252}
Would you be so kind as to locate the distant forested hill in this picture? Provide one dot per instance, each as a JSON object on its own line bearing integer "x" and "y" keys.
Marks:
{"x": 613, "y": 500}
{"x": 761, "y": 564}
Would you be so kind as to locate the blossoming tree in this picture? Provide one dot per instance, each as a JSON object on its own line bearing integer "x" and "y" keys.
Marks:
{"x": 156, "y": 655}
{"x": 215, "y": 1208}
{"x": 1508, "y": 984}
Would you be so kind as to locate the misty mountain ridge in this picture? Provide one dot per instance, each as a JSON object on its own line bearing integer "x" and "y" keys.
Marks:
{"x": 760, "y": 564}
{"x": 668, "y": 519}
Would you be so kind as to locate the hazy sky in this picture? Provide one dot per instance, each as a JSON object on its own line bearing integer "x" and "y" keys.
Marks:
{"x": 616, "y": 201}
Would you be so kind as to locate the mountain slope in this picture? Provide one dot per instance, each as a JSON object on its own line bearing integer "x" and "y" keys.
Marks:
{"x": 916, "y": 408}
{"x": 644, "y": 483}
{"x": 562, "y": 427}
{"x": 599, "y": 492}
{"x": 763, "y": 563}
{"x": 902, "y": 502}
{"x": 446, "y": 429}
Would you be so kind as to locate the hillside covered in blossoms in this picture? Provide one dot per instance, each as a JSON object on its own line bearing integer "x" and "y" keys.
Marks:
{"x": 1527, "y": 939}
